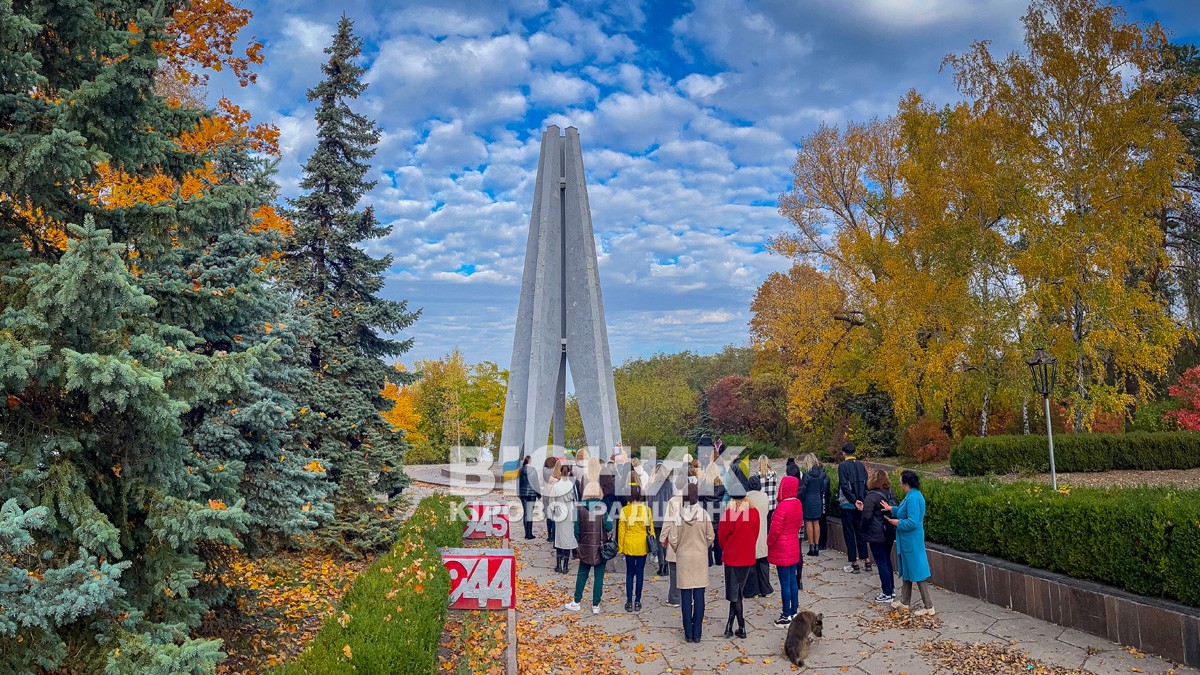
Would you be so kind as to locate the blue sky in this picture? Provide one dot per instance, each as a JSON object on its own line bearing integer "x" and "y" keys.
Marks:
{"x": 689, "y": 114}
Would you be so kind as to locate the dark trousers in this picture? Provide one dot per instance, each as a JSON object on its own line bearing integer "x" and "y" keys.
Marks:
{"x": 635, "y": 573}
{"x": 759, "y": 581}
{"x": 823, "y": 538}
{"x": 789, "y": 589}
{"x": 881, "y": 553}
{"x": 692, "y": 604}
{"x": 714, "y": 551}
{"x": 549, "y": 529}
{"x": 527, "y": 515}
{"x": 856, "y": 545}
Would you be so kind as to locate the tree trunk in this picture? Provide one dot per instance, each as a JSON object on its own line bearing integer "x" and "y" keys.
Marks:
{"x": 983, "y": 415}
{"x": 1025, "y": 413}
{"x": 1080, "y": 379}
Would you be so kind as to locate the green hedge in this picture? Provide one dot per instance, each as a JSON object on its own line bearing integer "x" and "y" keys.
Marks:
{"x": 382, "y": 639}
{"x": 976, "y": 456}
{"x": 1145, "y": 540}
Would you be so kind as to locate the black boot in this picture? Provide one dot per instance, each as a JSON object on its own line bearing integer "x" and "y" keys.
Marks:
{"x": 741, "y": 631}
{"x": 566, "y": 565}
{"x": 729, "y": 628}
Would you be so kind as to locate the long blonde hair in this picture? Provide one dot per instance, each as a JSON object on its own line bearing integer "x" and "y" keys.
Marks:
{"x": 592, "y": 470}
{"x": 764, "y": 466}
{"x": 811, "y": 462}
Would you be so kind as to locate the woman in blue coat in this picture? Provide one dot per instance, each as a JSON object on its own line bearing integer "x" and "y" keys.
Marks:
{"x": 909, "y": 519}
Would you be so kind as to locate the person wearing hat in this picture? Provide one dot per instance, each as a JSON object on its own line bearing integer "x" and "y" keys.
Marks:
{"x": 852, "y": 488}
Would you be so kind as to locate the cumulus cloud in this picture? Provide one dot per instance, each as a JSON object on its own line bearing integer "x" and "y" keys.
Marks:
{"x": 689, "y": 114}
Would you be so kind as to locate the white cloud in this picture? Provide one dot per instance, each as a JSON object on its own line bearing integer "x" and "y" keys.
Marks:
{"x": 686, "y": 148}
{"x": 681, "y": 317}
{"x": 556, "y": 89}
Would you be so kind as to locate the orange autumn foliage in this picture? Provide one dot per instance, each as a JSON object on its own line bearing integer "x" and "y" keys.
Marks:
{"x": 267, "y": 219}
{"x": 205, "y": 38}
{"x": 403, "y": 415}
{"x": 281, "y": 602}
{"x": 230, "y": 126}
{"x": 48, "y": 232}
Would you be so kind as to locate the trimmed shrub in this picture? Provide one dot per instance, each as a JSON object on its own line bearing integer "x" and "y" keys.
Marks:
{"x": 1077, "y": 452}
{"x": 391, "y": 619}
{"x": 1145, "y": 540}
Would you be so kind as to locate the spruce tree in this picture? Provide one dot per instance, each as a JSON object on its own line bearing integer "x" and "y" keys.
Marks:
{"x": 147, "y": 362}
{"x": 336, "y": 284}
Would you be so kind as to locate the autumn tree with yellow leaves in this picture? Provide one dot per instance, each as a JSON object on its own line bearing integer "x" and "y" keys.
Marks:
{"x": 936, "y": 247}
{"x": 452, "y": 403}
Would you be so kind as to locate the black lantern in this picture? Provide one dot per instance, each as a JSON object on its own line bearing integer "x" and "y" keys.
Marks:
{"x": 1043, "y": 368}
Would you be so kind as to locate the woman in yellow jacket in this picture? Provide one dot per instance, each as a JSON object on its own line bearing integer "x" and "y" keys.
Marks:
{"x": 635, "y": 526}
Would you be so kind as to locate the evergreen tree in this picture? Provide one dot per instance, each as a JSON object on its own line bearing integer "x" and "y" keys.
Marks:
{"x": 145, "y": 358}
{"x": 336, "y": 284}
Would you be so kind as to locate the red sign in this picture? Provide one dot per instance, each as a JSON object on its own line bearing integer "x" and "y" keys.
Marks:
{"x": 481, "y": 578}
{"x": 486, "y": 520}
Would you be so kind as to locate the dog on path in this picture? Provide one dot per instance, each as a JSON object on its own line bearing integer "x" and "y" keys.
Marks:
{"x": 800, "y": 634}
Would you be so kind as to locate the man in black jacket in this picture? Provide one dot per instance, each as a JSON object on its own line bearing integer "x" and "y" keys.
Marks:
{"x": 852, "y": 487}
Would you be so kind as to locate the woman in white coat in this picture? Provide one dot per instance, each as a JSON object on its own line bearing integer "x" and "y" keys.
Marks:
{"x": 562, "y": 511}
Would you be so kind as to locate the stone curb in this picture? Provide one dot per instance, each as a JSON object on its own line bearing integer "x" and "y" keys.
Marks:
{"x": 1153, "y": 625}
{"x": 511, "y": 666}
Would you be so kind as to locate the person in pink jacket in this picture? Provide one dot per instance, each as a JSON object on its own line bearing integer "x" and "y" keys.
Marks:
{"x": 783, "y": 547}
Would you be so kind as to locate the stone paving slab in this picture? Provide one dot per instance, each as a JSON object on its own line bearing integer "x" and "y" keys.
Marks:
{"x": 847, "y": 646}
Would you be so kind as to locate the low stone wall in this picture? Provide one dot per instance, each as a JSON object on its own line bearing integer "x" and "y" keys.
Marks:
{"x": 1153, "y": 625}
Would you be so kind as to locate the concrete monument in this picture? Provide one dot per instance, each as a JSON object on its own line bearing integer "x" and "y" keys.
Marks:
{"x": 560, "y": 319}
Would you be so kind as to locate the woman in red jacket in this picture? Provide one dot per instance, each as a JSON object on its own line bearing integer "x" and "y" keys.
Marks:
{"x": 783, "y": 547}
{"x": 738, "y": 533}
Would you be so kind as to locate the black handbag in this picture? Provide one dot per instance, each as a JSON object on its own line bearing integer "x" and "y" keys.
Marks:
{"x": 608, "y": 550}
{"x": 652, "y": 549}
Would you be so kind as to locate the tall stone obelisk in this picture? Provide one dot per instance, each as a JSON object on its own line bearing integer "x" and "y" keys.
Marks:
{"x": 560, "y": 318}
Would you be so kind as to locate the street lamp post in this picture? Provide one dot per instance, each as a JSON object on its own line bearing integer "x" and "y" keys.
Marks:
{"x": 1044, "y": 368}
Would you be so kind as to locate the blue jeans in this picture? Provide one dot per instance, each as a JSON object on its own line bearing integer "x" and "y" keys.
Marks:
{"x": 882, "y": 554}
{"x": 789, "y": 588}
{"x": 635, "y": 572}
{"x": 693, "y": 611}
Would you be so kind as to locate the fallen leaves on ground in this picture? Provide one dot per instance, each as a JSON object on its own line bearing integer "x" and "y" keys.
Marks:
{"x": 474, "y": 642}
{"x": 890, "y": 619}
{"x": 551, "y": 639}
{"x": 989, "y": 658}
{"x": 280, "y": 603}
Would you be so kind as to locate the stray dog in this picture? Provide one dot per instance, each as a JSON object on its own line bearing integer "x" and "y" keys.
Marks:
{"x": 798, "y": 638}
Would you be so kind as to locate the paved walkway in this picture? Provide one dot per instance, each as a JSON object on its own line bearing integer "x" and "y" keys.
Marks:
{"x": 857, "y": 636}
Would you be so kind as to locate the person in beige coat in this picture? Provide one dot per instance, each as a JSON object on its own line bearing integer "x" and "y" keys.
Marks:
{"x": 759, "y": 583}
{"x": 690, "y": 540}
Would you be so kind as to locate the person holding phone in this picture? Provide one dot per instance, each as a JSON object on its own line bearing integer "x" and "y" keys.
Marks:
{"x": 909, "y": 521}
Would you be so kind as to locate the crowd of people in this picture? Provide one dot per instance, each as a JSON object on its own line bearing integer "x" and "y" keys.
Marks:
{"x": 686, "y": 517}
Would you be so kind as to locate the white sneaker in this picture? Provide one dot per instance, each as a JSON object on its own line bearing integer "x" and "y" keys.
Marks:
{"x": 925, "y": 612}
{"x": 595, "y": 609}
{"x": 573, "y": 606}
